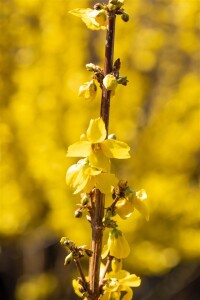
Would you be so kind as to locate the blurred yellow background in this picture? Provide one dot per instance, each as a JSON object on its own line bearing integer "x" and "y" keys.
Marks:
{"x": 42, "y": 64}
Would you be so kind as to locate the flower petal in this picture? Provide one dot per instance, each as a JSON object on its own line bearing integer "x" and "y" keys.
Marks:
{"x": 90, "y": 184}
{"x": 105, "y": 182}
{"x": 129, "y": 293}
{"x": 131, "y": 280}
{"x": 79, "y": 149}
{"x": 115, "y": 296}
{"x": 115, "y": 149}
{"x": 96, "y": 132}
{"x": 119, "y": 275}
{"x": 72, "y": 174}
{"x": 81, "y": 185}
{"x": 88, "y": 90}
{"x": 92, "y": 171}
{"x": 124, "y": 208}
{"x": 141, "y": 194}
{"x": 80, "y": 181}
{"x": 76, "y": 287}
{"x": 99, "y": 161}
{"x": 141, "y": 207}
{"x": 80, "y": 12}
{"x": 105, "y": 251}
{"x": 94, "y": 19}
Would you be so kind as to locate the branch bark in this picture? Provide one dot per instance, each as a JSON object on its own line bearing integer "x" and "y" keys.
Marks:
{"x": 108, "y": 65}
{"x": 98, "y": 199}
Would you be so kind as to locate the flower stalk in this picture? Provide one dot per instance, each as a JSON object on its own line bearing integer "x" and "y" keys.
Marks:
{"x": 99, "y": 198}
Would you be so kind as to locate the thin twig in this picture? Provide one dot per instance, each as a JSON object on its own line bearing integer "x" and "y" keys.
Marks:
{"x": 108, "y": 263}
{"x": 85, "y": 283}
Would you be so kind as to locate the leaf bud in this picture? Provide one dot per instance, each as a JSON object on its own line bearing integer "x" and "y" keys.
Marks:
{"x": 64, "y": 241}
{"x": 88, "y": 218}
{"x": 125, "y": 17}
{"x": 113, "y": 2}
{"x": 123, "y": 184}
{"x": 78, "y": 213}
{"x": 88, "y": 252}
{"x": 84, "y": 200}
{"x": 111, "y": 7}
{"x": 118, "y": 3}
{"x": 68, "y": 259}
{"x": 122, "y": 80}
{"x": 98, "y": 6}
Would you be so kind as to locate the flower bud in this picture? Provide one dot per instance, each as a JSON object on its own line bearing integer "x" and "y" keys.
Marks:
{"x": 111, "y": 7}
{"x": 125, "y": 17}
{"x": 64, "y": 241}
{"x": 117, "y": 244}
{"x": 68, "y": 259}
{"x": 123, "y": 184}
{"x": 117, "y": 3}
{"x": 110, "y": 82}
{"x": 78, "y": 213}
{"x": 90, "y": 67}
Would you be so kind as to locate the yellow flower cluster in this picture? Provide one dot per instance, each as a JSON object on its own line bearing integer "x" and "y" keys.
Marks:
{"x": 94, "y": 170}
{"x": 119, "y": 281}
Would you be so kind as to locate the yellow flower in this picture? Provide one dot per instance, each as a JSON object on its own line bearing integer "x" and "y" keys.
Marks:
{"x": 125, "y": 206}
{"x": 120, "y": 281}
{"x": 117, "y": 245}
{"x": 88, "y": 90}
{"x": 83, "y": 177}
{"x": 77, "y": 287}
{"x": 94, "y": 19}
{"x": 97, "y": 148}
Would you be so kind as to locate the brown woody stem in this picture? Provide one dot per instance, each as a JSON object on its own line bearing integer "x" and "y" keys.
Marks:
{"x": 98, "y": 199}
{"x": 108, "y": 65}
